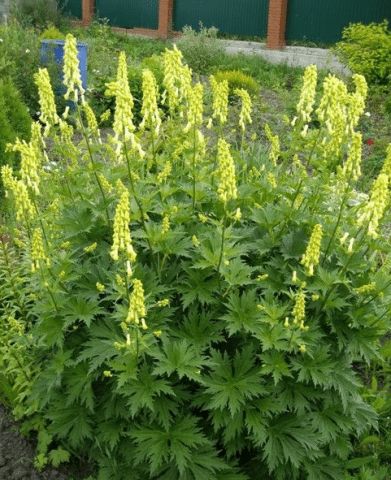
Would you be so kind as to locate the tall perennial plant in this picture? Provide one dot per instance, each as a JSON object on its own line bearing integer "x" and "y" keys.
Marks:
{"x": 193, "y": 311}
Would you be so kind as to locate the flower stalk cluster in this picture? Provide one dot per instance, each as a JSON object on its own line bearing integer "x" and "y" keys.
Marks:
{"x": 311, "y": 256}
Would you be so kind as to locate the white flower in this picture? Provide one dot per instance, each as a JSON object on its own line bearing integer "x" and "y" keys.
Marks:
{"x": 27, "y": 51}
{"x": 367, "y": 114}
{"x": 1, "y": 40}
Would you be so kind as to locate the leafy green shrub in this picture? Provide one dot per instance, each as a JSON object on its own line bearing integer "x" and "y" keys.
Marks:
{"x": 194, "y": 322}
{"x": 51, "y": 33}
{"x": 15, "y": 122}
{"x": 237, "y": 79}
{"x": 367, "y": 50}
{"x": 202, "y": 49}
{"x": 20, "y": 52}
{"x": 37, "y": 13}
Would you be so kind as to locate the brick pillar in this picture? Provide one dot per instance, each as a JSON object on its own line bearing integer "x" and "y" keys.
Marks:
{"x": 87, "y": 7}
{"x": 166, "y": 16}
{"x": 276, "y": 24}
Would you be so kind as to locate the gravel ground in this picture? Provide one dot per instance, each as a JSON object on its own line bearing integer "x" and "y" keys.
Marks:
{"x": 17, "y": 455}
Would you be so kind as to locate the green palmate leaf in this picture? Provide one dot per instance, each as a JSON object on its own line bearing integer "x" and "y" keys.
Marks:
{"x": 317, "y": 369}
{"x": 165, "y": 411}
{"x": 78, "y": 384}
{"x": 232, "y": 383}
{"x": 237, "y": 272}
{"x": 72, "y": 423}
{"x": 158, "y": 446}
{"x": 58, "y": 456}
{"x": 256, "y": 424}
{"x": 243, "y": 313}
{"x": 145, "y": 391}
{"x": 274, "y": 362}
{"x": 110, "y": 432}
{"x": 81, "y": 310}
{"x": 195, "y": 287}
{"x": 179, "y": 357}
{"x": 293, "y": 244}
{"x": 324, "y": 469}
{"x": 199, "y": 328}
{"x": 290, "y": 439}
{"x": 100, "y": 348}
{"x": 51, "y": 330}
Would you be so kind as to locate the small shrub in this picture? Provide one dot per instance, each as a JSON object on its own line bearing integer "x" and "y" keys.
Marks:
{"x": 51, "y": 33}
{"x": 237, "y": 79}
{"x": 367, "y": 50}
{"x": 15, "y": 122}
{"x": 37, "y": 13}
{"x": 201, "y": 50}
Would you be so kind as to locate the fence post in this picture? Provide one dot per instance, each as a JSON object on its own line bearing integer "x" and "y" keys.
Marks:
{"x": 276, "y": 24}
{"x": 166, "y": 15}
{"x": 88, "y": 7}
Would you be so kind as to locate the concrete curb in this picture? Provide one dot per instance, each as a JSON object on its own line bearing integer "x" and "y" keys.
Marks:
{"x": 292, "y": 56}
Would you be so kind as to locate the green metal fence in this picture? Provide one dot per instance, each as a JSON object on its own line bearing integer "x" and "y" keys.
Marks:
{"x": 244, "y": 17}
{"x": 129, "y": 13}
{"x": 323, "y": 20}
{"x": 71, "y": 7}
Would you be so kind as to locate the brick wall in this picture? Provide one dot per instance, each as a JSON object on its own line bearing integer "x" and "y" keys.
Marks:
{"x": 276, "y": 22}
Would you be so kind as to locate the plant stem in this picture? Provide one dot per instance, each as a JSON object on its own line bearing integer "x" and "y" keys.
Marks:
{"x": 222, "y": 247}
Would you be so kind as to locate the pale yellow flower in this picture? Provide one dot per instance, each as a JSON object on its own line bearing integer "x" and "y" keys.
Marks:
{"x": 72, "y": 76}
{"x": 311, "y": 256}
{"x": 227, "y": 187}
{"x": 307, "y": 95}
{"x": 46, "y": 99}
{"x": 245, "y": 111}
{"x": 121, "y": 237}
{"x": 220, "y": 99}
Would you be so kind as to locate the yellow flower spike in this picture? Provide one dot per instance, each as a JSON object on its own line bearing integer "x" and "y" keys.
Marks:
{"x": 220, "y": 99}
{"x": 343, "y": 238}
{"x": 298, "y": 311}
{"x": 271, "y": 180}
{"x": 100, "y": 287}
{"x": 314, "y": 298}
{"x": 196, "y": 102}
{"x": 37, "y": 251}
{"x": 137, "y": 310}
{"x": 333, "y": 111}
{"x": 164, "y": 174}
{"x": 195, "y": 241}
{"x": 177, "y": 79}
{"x": 350, "y": 247}
{"x": 202, "y": 218}
{"x": 106, "y": 185}
{"x": 165, "y": 224}
{"x": 311, "y": 256}
{"x": 30, "y": 163}
{"x": 123, "y": 117}
{"x": 91, "y": 248}
{"x": 107, "y": 373}
{"x": 163, "y": 303}
{"x": 237, "y": 215}
{"x": 46, "y": 100}
{"x": 227, "y": 187}
{"x": 149, "y": 109}
{"x": 263, "y": 277}
{"x": 72, "y": 76}
{"x": 286, "y": 323}
{"x": 352, "y": 165}
{"x": 23, "y": 204}
{"x": 373, "y": 211}
{"x": 365, "y": 288}
{"x": 245, "y": 112}
{"x": 274, "y": 140}
{"x": 307, "y": 95}
{"x": 121, "y": 237}
{"x": 303, "y": 348}
{"x": 386, "y": 169}
{"x": 91, "y": 120}
{"x": 294, "y": 277}
{"x": 357, "y": 101}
